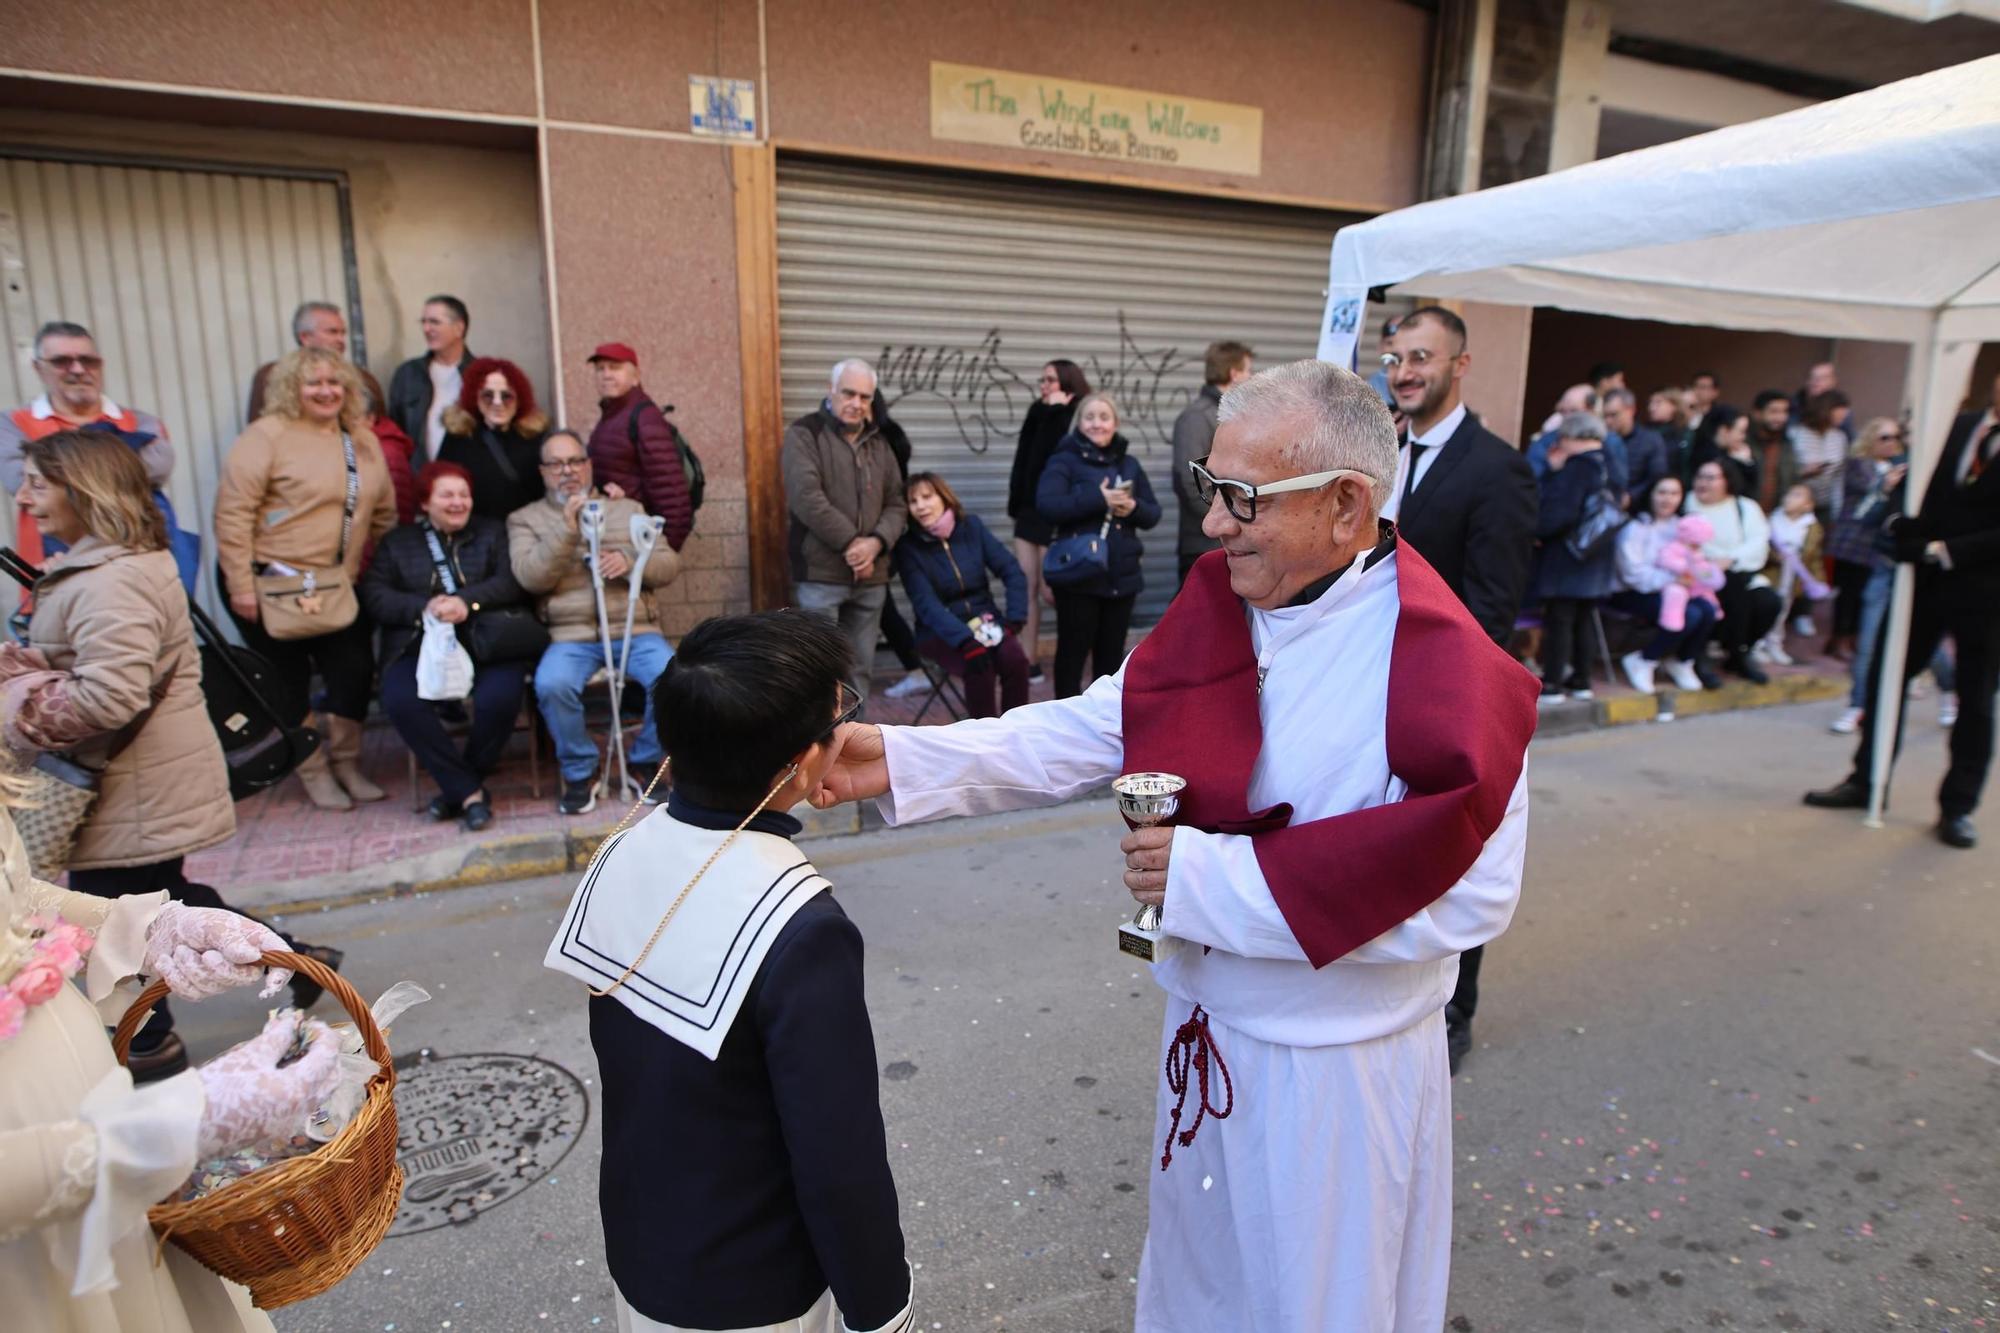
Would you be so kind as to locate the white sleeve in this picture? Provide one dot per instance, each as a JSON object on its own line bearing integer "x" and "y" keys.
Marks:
{"x": 1041, "y": 754}
{"x": 1217, "y": 895}
{"x": 145, "y": 1141}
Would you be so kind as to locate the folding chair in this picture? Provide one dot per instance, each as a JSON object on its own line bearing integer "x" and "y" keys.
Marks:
{"x": 944, "y": 690}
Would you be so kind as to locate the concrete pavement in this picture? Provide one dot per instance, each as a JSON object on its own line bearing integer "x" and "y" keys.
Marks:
{"x": 1735, "y": 1065}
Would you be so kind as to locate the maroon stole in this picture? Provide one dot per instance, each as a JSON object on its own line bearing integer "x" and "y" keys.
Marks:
{"x": 1461, "y": 712}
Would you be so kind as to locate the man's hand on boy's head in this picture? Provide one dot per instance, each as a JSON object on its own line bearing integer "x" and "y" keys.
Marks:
{"x": 860, "y": 767}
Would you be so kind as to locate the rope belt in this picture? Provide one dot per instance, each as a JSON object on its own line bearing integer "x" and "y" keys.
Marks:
{"x": 1193, "y": 1049}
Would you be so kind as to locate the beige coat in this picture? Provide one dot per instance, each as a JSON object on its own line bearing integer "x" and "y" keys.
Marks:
{"x": 548, "y": 559}
{"x": 116, "y": 621}
{"x": 283, "y": 489}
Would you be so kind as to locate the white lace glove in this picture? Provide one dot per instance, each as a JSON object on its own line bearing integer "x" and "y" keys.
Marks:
{"x": 251, "y": 1099}
{"x": 204, "y": 951}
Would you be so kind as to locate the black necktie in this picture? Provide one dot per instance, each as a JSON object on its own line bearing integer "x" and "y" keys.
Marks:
{"x": 1982, "y": 453}
{"x": 1416, "y": 456}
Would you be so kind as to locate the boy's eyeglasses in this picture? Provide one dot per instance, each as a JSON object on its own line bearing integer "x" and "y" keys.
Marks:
{"x": 850, "y": 708}
{"x": 1240, "y": 497}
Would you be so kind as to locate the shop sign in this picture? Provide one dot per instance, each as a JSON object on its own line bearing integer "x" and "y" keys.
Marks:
{"x": 1009, "y": 110}
{"x": 722, "y": 108}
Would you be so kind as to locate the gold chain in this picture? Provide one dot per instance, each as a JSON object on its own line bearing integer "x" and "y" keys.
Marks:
{"x": 713, "y": 856}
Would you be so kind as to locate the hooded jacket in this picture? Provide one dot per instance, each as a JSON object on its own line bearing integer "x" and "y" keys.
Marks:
{"x": 1068, "y": 497}
{"x": 949, "y": 582}
{"x": 837, "y": 491}
{"x": 549, "y": 561}
{"x": 116, "y": 621}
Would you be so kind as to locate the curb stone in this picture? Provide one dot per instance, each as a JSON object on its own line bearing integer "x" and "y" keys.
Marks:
{"x": 568, "y": 851}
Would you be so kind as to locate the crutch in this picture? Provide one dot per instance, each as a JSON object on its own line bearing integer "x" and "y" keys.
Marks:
{"x": 591, "y": 521}
{"x": 645, "y": 533}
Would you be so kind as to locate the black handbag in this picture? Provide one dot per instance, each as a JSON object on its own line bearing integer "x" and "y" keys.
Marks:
{"x": 261, "y": 740}
{"x": 500, "y": 634}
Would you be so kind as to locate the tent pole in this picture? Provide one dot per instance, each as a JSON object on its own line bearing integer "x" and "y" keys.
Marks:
{"x": 1927, "y": 423}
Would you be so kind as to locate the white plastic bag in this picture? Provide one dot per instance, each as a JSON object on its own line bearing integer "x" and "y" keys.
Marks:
{"x": 444, "y": 668}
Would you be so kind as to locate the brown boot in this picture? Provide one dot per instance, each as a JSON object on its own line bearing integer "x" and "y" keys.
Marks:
{"x": 343, "y": 747}
{"x": 318, "y": 781}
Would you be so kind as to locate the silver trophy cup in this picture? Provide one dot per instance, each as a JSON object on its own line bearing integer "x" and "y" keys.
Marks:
{"x": 1147, "y": 799}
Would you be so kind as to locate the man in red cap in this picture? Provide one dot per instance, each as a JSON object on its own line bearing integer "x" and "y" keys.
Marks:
{"x": 634, "y": 446}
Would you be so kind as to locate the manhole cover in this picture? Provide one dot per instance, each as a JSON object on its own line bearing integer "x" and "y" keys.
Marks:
{"x": 479, "y": 1129}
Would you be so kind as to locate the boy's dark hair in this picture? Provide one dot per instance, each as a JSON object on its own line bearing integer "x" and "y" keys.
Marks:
{"x": 742, "y": 695}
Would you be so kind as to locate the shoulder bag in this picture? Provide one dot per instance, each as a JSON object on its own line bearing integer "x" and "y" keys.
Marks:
{"x": 308, "y": 603}
{"x": 499, "y": 634}
{"x": 1078, "y": 557}
{"x": 61, "y": 793}
{"x": 1598, "y": 527}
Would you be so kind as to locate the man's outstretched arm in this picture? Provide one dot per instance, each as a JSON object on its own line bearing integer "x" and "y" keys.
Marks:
{"x": 1038, "y": 755}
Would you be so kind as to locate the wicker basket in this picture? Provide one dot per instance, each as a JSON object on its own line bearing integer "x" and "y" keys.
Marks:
{"x": 297, "y": 1227}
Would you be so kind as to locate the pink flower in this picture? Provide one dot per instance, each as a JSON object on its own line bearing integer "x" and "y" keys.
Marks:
{"x": 61, "y": 951}
{"x": 37, "y": 982}
{"x": 12, "y": 1013}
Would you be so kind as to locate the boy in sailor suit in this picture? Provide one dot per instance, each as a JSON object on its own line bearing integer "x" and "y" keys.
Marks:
{"x": 745, "y": 1182}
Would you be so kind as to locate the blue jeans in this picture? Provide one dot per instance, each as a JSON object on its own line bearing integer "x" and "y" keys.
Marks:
{"x": 559, "y": 680}
{"x": 1875, "y": 610}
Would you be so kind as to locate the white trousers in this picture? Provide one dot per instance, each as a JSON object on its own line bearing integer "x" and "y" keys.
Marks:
{"x": 1321, "y": 1205}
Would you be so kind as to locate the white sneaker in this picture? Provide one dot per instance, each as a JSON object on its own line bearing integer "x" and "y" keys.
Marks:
{"x": 1639, "y": 671}
{"x": 1803, "y": 627}
{"x": 1684, "y": 677}
{"x": 1947, "y": 709}
{"x": 1848, "y": 722}
{"x": 914, "y": 683}
{"x": 1774, "y": 651}
{"x": 1582, "y": 695}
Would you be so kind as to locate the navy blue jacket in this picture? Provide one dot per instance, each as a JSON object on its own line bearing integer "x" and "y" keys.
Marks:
{"x": 735, "y": 1191}
{"x": 947, "y": 581}
{"x": 1563, "y": 494}
{"x": 1068, "y": 498}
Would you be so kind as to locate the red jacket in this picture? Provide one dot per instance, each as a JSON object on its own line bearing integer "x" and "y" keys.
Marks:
{"x": 650, "y": 472}
{"x": 396, "y": 450}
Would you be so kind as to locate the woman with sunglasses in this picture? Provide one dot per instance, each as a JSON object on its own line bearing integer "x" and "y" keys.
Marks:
{"x": 1092, "y": 484}
{"x": 494, "y": 431}
{"x": 1057, "y": 391}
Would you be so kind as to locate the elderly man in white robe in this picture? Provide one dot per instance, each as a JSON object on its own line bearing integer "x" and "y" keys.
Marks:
{"x": 1322, "y": 885}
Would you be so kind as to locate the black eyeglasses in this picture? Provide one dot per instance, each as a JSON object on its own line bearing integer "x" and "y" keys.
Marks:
{"x": 848, "y": 711}
{"x": 1240, "y": 497}
{"x": 565, "y": 464}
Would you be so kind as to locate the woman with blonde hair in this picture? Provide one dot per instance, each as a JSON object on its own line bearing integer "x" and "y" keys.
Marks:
{"x": 83, "y": 1152}
{"x": 304, "y": 492}
{"x": 1091, "y": 486}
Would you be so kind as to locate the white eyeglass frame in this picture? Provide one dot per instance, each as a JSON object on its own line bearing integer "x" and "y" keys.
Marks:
{"x": 1310, "y": 481}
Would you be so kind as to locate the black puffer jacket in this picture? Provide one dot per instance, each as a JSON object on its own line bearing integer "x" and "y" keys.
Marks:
{"x": 401, "y": 580}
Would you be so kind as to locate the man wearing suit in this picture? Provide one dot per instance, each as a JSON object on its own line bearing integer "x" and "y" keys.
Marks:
{"x": 1466, "y": 500}
{"x": 1954, "y": 541}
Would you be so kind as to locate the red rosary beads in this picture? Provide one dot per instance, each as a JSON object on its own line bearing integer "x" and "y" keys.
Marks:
{"x": 1194, "y": 1048}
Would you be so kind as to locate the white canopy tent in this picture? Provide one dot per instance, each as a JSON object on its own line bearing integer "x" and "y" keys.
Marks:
{"x": 1876, "y": 216}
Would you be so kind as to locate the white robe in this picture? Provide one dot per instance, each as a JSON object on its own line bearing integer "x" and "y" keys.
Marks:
{"x": 1324, "y": 1201}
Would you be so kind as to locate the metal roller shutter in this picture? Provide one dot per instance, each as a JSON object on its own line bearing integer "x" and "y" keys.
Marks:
{"x": 960, "y": 288}
{"x": 187, "y": 276}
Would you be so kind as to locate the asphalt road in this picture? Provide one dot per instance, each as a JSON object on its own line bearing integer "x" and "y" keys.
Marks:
{"x": 1737, "y": 1065}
